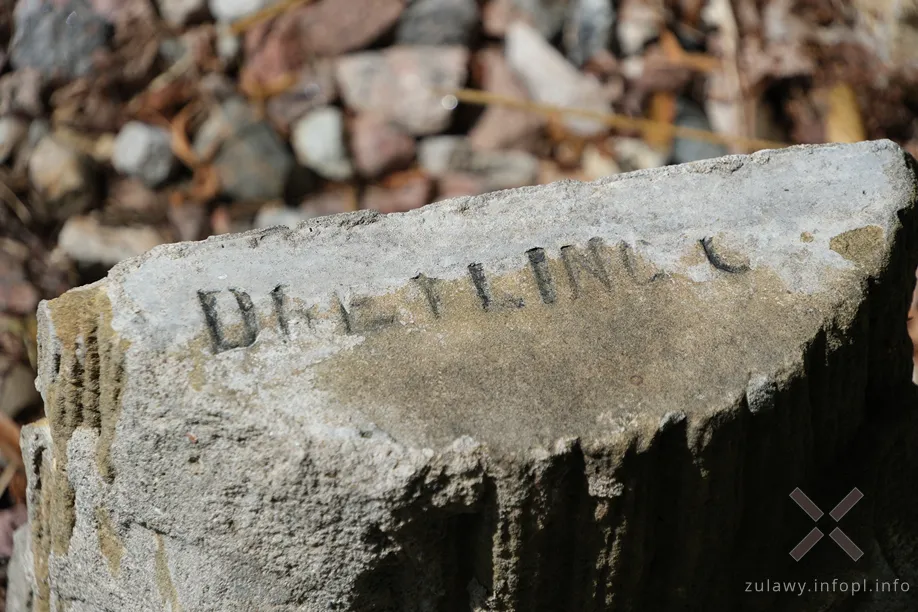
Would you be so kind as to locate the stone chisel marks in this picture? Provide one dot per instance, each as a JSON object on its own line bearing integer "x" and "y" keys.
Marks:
{"x": 277, "y": 296}
{"x": 428, "y": 286}
{"x": 482, "y": 290}
{"x": 217, "y": 328}
{"x": 581, "y": 265}
{"x": 542, "y": 274}
{"x": 474, "y": 401}
{"x": 718, "y": 261}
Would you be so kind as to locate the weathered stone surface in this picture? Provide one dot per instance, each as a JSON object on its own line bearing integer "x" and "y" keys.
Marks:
{"x": 582, "y": 396}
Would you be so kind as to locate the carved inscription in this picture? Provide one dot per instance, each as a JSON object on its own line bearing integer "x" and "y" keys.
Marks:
{"x": 361, "y": 318}
{"x": 542, "y": 274}
{"x": 719, "y": 260}
{"x": 232, "y": 322}
{"x": 279, "y": 300}
{"x": 428, "y": 287}
{"x": 218, "y": 329}
{"x": 579, "y": 264}
{"x": 489, "y": 301}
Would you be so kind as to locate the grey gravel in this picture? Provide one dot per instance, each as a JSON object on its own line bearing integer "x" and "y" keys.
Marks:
{"x": 437, "y": 22}
{"x": 144, "y": 151}
{"x": 691, "y": 115}
{"x": 318, "y": 142}
{"x": 588, "y": 29}
{"x": 13, "y": 133}
{"x": 58, "y": 41}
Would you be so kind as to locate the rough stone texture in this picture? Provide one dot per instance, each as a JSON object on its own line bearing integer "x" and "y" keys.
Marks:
{"x": 583, "y": 396}
{"x": 21, "y": 573}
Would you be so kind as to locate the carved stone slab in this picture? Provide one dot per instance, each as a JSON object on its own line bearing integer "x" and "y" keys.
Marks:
{"x": 578, "y": 396}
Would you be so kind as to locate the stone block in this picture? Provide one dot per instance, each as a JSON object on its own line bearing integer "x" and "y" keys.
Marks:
{"x": 580, "y": 396}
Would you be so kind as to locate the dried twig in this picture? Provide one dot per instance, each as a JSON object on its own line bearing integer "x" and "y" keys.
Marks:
{"x": 676, "y": 55}
{"x": 172, "y": 74}
{"x": 9, "y": 472}
{"x": 270, "y": 12}
{"x": 731, "y": 74}
{"x": 844, "y": 122}
{"x": 8, "y": 196}
{"x": 179, "y": 129}
{"x": 615, "y": 120}
{"x": 9, "y": 440}
{"x": 205, "y": 181}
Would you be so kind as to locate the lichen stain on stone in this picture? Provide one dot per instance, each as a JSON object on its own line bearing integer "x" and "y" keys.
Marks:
{"x": 199, "y": 349}
{"x": 109, "y": 542}
{"x": 862, "y": 246}
{"x": 164, "y": 578}
{"x": 515, "y": 377}
{"x": 85, "y": 392}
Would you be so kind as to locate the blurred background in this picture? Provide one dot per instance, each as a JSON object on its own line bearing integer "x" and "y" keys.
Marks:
{"x": 125, "y": 124}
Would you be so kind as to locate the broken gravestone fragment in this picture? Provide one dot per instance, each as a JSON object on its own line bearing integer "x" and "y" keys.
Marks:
{"x": 581, "y": 396}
